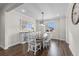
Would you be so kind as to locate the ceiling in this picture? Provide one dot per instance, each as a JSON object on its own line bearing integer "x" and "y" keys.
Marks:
{"x": 2, "y": 5}
{"x": 50, "y": 10}
{"x": 9, "y": 6}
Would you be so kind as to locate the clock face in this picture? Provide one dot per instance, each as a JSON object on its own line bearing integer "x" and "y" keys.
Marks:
{"x": 75, "y": 13}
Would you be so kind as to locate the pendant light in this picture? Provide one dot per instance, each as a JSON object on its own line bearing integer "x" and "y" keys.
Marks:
{"x": 42, "y": 21}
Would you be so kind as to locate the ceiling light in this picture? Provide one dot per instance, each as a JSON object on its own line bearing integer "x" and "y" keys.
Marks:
{"x": 23, "y": 10}
{"x": 42, "y": 21}
{"x": 58, "y": 15}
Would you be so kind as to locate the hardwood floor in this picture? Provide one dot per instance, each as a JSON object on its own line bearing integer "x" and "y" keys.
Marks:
{"x": 57, "y": 48}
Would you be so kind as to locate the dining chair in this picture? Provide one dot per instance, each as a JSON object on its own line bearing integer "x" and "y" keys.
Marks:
{"x": 33, "y": 44}
{"x": 46, "y": 39}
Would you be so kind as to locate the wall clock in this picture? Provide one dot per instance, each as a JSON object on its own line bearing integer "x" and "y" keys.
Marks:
{"x": 75, "y": 13}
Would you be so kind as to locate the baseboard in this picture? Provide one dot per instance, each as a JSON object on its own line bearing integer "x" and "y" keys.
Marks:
{"x": 23, "y": 42}
{"x": 71, "y": 49}
{"x": 15, "y": 44}
{"x": 58, "y": 39}
{"x": 3, "y": 47}
{"x": 10, "y": 45}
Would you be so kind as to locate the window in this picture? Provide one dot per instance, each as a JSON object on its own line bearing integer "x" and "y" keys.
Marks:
{"x": 29, "y": 26}
{"x": 51, "y": 25}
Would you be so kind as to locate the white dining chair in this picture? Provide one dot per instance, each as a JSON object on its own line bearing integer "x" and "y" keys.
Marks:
{"x": 46, "y": 39}
{"x": 33, "y": 45}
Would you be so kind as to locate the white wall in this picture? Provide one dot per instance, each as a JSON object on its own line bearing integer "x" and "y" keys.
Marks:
{"x": 62, "y": 27}
{"x": 2, "y": 28}
{"x": 12, "y": 27}
{"x": 72, "y": 33}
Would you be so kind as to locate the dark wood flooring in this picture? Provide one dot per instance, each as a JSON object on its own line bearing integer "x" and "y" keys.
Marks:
{"x": 57, "y": 48}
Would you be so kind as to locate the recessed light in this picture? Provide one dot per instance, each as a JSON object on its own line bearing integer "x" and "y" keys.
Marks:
{"x": 23, "y": 10}
{"x": 58, "y": 15}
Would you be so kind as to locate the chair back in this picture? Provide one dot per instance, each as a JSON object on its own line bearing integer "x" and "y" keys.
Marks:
{"x": 32, "y": 37}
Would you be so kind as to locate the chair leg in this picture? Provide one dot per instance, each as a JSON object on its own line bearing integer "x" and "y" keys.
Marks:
{"x": 35, "y": 53}
{"x": 28, "y": 48}
{"x": 40, "y": 47}
{"x": 43, "y": 47}
{"x": 46, "y": 46}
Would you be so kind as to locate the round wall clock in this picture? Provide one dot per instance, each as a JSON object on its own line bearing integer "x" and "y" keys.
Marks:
{"x": 75, "y": 13}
